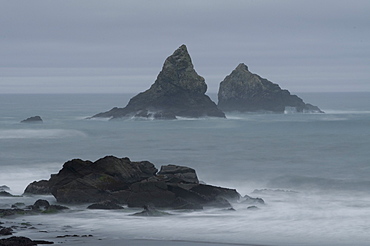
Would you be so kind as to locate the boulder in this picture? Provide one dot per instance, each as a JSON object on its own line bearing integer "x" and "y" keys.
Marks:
{"x": 244, "y": 91}
{"x": 33, "y": 119}
{"x": 6, "y": 231}
{"x": 177, "y": 91}
{"x": 41, "y": 204}
{"x": 178, "y": 174}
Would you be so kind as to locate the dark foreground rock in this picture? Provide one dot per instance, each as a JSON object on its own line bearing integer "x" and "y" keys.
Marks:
{"x": 33, "y": 119}
{"x": 5, "y": 231}
{"x": 135, "y": 184}
{"x": 22, "y": 241}
{"x": 178, "y": 91}
{"x": 244, "y": 91}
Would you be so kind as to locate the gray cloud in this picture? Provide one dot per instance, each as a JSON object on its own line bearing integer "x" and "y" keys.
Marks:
{"x": 301, "y": 45}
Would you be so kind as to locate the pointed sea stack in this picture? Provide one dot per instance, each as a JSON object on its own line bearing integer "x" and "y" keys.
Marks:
{"x": 178, "y": 91}
{"x": 244, "y": 91}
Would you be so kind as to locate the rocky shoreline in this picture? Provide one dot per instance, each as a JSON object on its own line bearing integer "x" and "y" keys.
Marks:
{"x": 112, "y": 183}
{"x": 135, "y": 184}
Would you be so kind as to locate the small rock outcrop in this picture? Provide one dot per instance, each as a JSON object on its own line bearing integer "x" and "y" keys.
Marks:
{"x": 107, "y": 205}
{"x": 244, "y": 91}
{"x": 178, "y": 91}
{"x": 150, "y": 212}
{"x": 39, "y": 207}
{"x": 33, "y": 119}
{"x": 136, "y": 184}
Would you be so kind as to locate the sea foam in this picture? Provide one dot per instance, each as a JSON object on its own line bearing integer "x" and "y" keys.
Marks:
{"x": 40, "y": 133}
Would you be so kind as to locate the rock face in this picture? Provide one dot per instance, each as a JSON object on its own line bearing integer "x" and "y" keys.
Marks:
{"x": 136, "y": 184}
{"x": 244, "y": 91}
{"x": 178, "y": 91}
{"x": 33, "y": 119}
{"x": 38, "y": 188}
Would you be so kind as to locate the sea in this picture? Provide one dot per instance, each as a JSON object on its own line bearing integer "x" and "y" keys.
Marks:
{"x": 312, "y": 170}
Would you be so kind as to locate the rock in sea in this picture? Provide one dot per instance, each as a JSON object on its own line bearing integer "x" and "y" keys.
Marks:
{"x": 33, "y": 119}
{"x": 178, "y": 91}
{"x": 244, "y": 91}
{"x": 136, "y": 184}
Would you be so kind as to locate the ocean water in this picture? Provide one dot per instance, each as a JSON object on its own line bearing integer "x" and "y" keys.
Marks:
{"x": 312, "y": 170}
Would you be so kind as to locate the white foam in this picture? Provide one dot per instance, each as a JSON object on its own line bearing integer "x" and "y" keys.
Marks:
{"x": 40, "y": 133}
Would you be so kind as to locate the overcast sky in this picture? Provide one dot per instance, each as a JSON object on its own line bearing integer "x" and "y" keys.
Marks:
{"x": 54, "y": 46}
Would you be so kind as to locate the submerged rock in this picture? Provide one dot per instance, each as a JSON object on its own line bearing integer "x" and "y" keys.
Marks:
{"x": 105, "y": 205}
{"x": 33, "y": 119}
{"x": 178, "y": 91}
{"x": 39, "y": 207}
{"x": 244, "y": 91}
{"x": 151, "y": 212}
{"x": 136, "y": 184}
{"x": 250, "y": 200}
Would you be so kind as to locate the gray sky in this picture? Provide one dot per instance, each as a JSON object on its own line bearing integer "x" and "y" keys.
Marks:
{"x": 119, "y": 46}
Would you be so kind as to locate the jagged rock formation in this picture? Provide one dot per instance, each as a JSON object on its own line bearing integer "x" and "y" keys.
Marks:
{"x": 244, "y": 91}
{"x": 33, "y": 119}
{"x": 136, "y": 184}
{"x": 178, "y": 91}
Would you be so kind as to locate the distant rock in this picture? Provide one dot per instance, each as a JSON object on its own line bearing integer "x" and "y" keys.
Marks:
{"x": 244, "y": 91}
{"x": 136, "y": 184}
{"x": 33, "y": 119}
{"x": 178, "y": 91}
{"x": 5, "y": 194}
{"x": 4, "y": 188}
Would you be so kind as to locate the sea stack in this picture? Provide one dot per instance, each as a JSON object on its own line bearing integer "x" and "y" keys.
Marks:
{"x": 178, "y": 91}
{"x": 244, "y": 91}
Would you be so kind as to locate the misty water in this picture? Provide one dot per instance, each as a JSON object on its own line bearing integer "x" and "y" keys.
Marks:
{"x": 312, "y": 170}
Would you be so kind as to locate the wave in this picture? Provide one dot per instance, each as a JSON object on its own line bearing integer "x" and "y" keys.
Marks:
{"x": 40, "y": 133}
{"x": 334, "y": 111}
{"x": 297, "y": 182}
